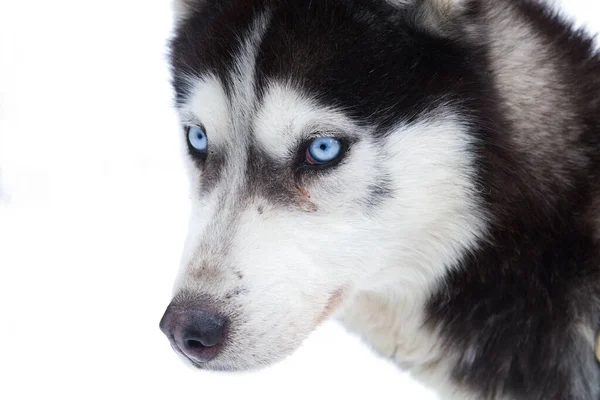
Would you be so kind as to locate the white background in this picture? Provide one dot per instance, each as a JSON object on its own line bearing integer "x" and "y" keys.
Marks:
{"x": 93, "y": 213}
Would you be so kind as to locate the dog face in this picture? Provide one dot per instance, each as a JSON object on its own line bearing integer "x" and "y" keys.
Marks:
{"x": 327, "y": 155}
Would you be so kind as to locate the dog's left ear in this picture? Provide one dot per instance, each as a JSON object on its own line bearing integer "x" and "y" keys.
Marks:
{"x": 439, "y": 16}
{"x": 182, "y": 9}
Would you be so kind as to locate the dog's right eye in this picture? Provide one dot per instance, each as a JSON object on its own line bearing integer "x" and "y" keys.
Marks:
{"x": 323, "y": 150}
{"x": 197, "y": 139}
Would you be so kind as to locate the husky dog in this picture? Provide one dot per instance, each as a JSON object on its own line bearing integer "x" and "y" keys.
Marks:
{"x": 427, "y": 171}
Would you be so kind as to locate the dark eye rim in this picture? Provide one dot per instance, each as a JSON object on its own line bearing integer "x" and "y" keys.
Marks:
{"x": 194, "y": 152}
{"x": 304, "y": 166}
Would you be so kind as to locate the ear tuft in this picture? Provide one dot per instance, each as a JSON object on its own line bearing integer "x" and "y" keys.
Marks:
{"x": 182, "y": 9}
{"x": 438, "y": 16}
{"x": 443, "y": 11}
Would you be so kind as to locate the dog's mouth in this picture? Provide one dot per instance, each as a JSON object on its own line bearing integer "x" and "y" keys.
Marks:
{"x": 206, "y": 341}
{"x": 193, "y": 362}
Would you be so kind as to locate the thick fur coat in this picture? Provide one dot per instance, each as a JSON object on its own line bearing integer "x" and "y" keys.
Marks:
{"x": 459, "y": 234}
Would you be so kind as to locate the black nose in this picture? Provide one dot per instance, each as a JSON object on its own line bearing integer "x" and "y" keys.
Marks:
{"x": 196, "y": 333}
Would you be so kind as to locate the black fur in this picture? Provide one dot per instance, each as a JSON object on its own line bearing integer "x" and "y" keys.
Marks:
{"x": 518, "y": 302}
{"x": 516, "y": 306}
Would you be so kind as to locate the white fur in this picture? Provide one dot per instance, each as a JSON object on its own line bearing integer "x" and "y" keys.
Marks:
{"x": 286, "y": 115}
{"x": 432, "y": 222}
{"x": 182, "y": 8}
{"x": 208, "y": 107}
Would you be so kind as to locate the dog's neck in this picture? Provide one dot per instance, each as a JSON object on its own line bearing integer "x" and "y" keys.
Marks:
{"x": 393, "y": 325}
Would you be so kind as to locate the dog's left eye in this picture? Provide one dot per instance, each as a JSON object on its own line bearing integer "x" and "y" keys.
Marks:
{"x": 323, "y": 150}
{"x": 197, "y": 139}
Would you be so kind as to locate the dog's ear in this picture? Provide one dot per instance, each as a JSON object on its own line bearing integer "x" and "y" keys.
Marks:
{"x": 182, "y": 9}
{"x": 439, "y": 16}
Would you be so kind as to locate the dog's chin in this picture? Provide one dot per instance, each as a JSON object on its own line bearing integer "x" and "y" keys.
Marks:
{"x": 217, "y": 366}
{"x": 227, "y": 363}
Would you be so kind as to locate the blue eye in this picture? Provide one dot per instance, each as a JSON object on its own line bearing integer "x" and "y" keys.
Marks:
{"x": 197, "y": 139}
{"x": 323, "y": 150}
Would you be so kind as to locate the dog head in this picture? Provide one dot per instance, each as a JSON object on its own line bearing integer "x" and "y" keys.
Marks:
{"x": 328, "y": 153}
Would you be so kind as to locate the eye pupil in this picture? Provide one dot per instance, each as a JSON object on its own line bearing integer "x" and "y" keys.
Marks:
{"x": 323, "y": 146}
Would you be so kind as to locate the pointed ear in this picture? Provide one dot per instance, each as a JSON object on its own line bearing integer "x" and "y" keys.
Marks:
{"x": 182, "y": 9}
{"x": 442, "y": 12}
{"x": 439, "y": 16}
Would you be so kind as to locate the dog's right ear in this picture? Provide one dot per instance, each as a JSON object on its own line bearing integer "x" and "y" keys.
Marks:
{"x": 439, "y": 16}
{"x": 182, "y": 9}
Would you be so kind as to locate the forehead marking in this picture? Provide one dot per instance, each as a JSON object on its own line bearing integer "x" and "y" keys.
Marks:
{"x": 224, "y": 104}
{"x": 243, "y": 72}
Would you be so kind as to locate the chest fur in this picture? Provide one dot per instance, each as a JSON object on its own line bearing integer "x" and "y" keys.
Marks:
{"x": 394, "y": 328}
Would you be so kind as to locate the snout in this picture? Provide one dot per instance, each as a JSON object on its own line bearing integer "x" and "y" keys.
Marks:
{"x": 194, "y": 332}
